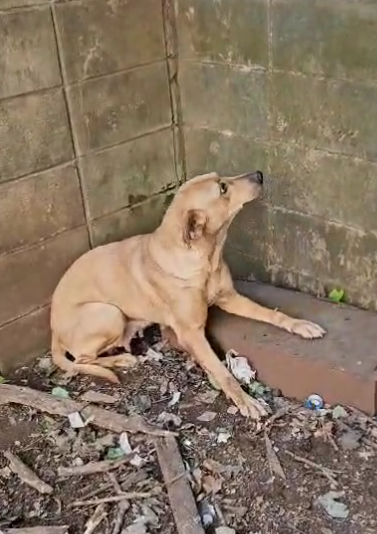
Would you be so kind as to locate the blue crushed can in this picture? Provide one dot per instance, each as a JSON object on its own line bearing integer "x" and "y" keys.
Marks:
{"x": 314, "y": 402}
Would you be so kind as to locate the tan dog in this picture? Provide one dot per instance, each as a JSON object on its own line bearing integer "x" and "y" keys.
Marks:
{"x": 170, "y": 277}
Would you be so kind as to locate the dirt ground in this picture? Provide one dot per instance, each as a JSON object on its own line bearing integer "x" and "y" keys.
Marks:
{"x": 304, "y": 472}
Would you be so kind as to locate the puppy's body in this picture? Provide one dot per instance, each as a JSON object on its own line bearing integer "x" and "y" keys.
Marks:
{"x": 169, "y": 277}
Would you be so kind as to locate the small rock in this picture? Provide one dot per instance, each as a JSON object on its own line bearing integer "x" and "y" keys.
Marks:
{"x": 207, "y": 417}
{"x": 137, "y": 461}
{"x": 225, "y": 530}
{"x": 233, "y": 410}
{"x": 223, "y": 436}
{"x": 143, "y": 403}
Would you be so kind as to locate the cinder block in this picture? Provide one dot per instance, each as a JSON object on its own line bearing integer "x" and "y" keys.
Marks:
{"x": 223, "y": 31}
{"x": 100, "y": 37}
{"x": 28, "y": 58}
{"x": 24, "y": 339}
{"x": 226, "y": 98}
{"x": 210, "y": 150}
{"x": 333, "y": 115}
{"x": 139, "y": 219}
{"x": 332, "y": 39}
{"x": 28, "y": 277}
{"x": 340, "y": 367}
{"x": 129, "y": 173}
{"x": 39, "y": 206}
{"x": 115, "y": 108}
{"x": 330, "y": 186}
{"x": 327, "y": 252}
{"x": 34, "y": 134}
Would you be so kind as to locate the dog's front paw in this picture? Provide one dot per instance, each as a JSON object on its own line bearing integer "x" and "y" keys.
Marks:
{"x": 250, "y": 407}
{"x": 305, "y": 329}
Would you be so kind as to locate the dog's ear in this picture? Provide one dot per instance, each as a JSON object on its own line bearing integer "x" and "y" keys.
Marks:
{"x": 194, "y": 225}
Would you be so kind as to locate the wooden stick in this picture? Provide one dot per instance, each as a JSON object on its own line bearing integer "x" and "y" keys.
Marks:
{"x": 98, "y": 516}
{"x": 26, "y": 474}
{"x": 113, "y": 421}
{"x": 91, "y": 468}
{"x": 35, "y": 530}
{"x": 114, "y": 498}
{"x": 324, "y": 470}
{"x": 182, "y": 501}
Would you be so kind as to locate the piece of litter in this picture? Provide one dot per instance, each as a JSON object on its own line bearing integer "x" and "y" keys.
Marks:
{"x": 240, "y": 367}
{"x": 334, "y": 508}
{"x": 113, "y": 453}
{"x": 124, "y": 443}
{"x": 207, "y": 513}
{"x": 314, "y": 402}
{"x": 206, "y": 417}
{"x": 76, "y": 421}
{"x": 137, "y": 461}
{"x": 98, "y": 398}
{"x": 339, "y": 412}
{"x": 60, "y": 392}
{"x": 223, "y": 436}
{"x": 225, "y": 530}
{"x": 273, "y": 460}
{"x": 175, "y": 398}
{"x": 166, "y": 418}
{"x": 152, "y": 354}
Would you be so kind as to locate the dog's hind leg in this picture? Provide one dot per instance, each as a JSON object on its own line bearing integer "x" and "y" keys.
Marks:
{"x": 98, "y": 328}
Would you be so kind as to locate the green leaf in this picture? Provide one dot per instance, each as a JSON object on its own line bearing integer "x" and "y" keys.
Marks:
{"x": 2, "y": 380}
{"x": 336, "y": 295}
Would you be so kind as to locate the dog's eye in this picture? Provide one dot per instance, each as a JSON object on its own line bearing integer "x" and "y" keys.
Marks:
{"x": 223, "y": 188}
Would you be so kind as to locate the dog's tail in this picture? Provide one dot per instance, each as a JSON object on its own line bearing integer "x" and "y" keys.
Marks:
{"x": 60, "y": 360}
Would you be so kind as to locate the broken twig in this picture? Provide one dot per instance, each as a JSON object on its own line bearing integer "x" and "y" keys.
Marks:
{"x": 91, "y": 468}
{"x": 97, "y": 518}
{"x": 180, "y": 495}
{"x": 26, "y": 474}
{"x": 324, "y": 470}
{"x": 113, "y": 421}
{"x": 114, "y": 498}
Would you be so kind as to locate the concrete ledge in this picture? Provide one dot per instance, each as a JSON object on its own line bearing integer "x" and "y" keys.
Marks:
{"x": 341, "y": 367}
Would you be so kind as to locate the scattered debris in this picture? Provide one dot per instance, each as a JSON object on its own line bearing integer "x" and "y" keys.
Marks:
{"x": 330, "y": 475}
{"x": 350, "y": 438}
{"x": 175, "y": 399}
{"x": 76, "y": 421}
{"x": 165, "y": 418}
{"x": 207, "y": 513}
{"x": 26, "y": 474}
{"x": 124, "y": 443}
{"x": 90, "y": 468}
{"x": 96, "y": 397}
{"x": 240, "y": 367}
{"x": 225, "y": 530}
{"x": 333, "y": 507}
{"x": 206, "y": 417}
{"x": 273, "y": 460}
{"x": 136, "y": 528}
{"x": 60, "y": 393}
{"x": 223, "y": 436}
{"x": 314, "y": 402}
{"x": 152, "y": 354}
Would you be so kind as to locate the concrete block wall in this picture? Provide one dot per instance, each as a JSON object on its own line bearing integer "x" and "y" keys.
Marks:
{"x": 290, "y": 87}
{"x": 89, "y": 144}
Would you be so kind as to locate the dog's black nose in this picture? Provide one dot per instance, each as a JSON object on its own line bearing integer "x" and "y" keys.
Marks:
{"x": 259, "y": 177}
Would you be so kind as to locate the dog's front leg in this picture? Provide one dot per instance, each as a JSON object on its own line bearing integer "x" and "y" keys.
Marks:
{"x": 195, "y": 342}
{"x": 233, "y": 302}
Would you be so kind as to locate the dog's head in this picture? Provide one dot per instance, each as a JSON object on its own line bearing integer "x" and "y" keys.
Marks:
{"x": 208, "y": 203}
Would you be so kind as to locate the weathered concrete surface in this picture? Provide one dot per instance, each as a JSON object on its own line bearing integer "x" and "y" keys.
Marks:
{"x": 139, "y": 219}
{"x": 34, "y": 65}
{"x": 129, "y": 173}
{"x": 100, "y": 37}
{"x": 224, "y": 31}
{"x": 341, "y": 367}
{"x": 34, "y": 133}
